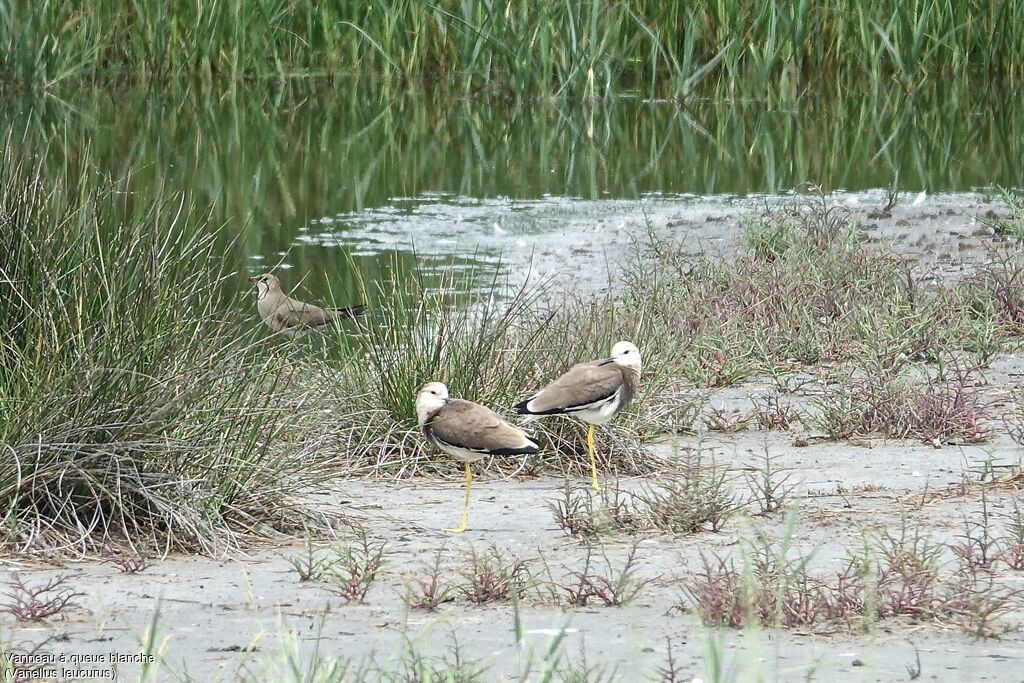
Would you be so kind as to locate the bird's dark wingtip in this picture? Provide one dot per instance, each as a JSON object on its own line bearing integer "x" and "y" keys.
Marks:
{"x": 521, "y": 408}
{"x": 351, "y": 311}
{"x": 529, "y": 449}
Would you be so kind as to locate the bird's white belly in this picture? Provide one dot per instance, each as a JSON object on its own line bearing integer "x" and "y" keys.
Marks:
{"x": 461, "y": 454}
{"x": 602, "y": 412}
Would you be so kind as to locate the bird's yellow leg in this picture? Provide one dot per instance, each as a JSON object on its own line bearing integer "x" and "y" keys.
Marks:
{"x": 465, "y": 506}
{"x": 593, "y": 459}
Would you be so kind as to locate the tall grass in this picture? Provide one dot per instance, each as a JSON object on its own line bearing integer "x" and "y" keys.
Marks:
{"x": 132, "y": 408}
{"x": 806, "y": 289}
{"x": 490, "y": 345}
{"x": 594, "y": 48}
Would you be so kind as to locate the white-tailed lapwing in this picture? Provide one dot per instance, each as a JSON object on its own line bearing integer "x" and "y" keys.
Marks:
{"x": 467, "y": 431}
{"x": 594, "y": 392}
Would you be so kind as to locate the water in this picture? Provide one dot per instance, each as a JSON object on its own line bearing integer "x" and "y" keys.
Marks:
{"x": 308, "y": 175}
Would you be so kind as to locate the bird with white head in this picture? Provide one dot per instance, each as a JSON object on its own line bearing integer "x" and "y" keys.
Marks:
{"x": 595, "y": 392}
{"x": 468, "y": 432}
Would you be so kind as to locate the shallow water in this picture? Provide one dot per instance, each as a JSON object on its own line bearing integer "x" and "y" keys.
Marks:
{"x": 310, "y": 175}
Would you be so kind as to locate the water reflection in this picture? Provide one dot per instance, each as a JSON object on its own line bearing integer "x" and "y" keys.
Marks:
{"x": 287, "y": 166}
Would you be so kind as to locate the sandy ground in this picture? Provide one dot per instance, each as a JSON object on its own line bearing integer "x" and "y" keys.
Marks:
{"x": 217, "y": 615}
{"x": 212, "y": 612}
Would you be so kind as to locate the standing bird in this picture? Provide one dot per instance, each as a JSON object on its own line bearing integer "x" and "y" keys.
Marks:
{"x": 467, "y": 431}
{"x": 288, "y": 316}
{"x": 594, "y": 392}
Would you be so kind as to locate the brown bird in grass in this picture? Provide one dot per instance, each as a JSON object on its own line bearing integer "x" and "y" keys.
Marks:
{"x": 467, "y": 431}
{"x": 287, "y": 316}
{"x": 594, "y": 392}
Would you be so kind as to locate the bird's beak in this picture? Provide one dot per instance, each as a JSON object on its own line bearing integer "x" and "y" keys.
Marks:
{"x": 254, "y": 280}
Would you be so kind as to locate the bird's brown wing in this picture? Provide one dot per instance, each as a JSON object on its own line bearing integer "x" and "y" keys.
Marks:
{"x": 471, "y": 426}
{"x": 583, "y": 385}
{"x": 293, "y": 313}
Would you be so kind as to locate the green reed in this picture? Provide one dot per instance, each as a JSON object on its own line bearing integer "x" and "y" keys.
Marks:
{"x": 596, "y": 48}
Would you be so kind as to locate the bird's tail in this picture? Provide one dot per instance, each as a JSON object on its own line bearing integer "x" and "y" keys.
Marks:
{"x": 524, "y": 410}
{"x": 349, "y": 312}
{"x": 531, "y": 446}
